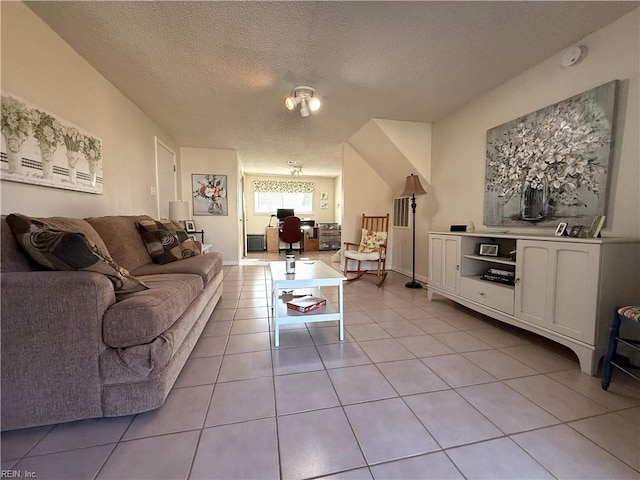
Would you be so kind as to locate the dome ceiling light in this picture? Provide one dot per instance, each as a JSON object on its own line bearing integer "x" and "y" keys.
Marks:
{"x": 305, "y": 97}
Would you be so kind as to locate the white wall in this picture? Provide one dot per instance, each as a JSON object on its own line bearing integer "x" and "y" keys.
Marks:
{"x": 222, "y": 231}
{"x": 256, "y": 223}
{"x": 364, "y": 192}
{"x": 459, "y": 140}
{"x": 39, "y": 66}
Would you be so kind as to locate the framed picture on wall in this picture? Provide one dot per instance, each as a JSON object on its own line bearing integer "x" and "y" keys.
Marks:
{"x": 209, "y": 194}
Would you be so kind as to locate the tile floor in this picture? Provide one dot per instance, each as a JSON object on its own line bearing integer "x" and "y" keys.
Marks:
{"x": 418, "y": 389}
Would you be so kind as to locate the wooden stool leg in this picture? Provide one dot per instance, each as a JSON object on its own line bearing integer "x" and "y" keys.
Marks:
{"x": 614, "y": 332}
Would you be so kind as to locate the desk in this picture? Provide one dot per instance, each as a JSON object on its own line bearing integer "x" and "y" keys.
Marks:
{"x": 309, "y": 275}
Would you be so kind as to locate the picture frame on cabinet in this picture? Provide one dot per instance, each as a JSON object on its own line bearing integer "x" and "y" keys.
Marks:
{"x": 488, "y": 249}
{"x": 576, "y": 231}
{"x": 561, "y": 229}
{"x": 189, "y": 226}
{"x": 596, "y": 226}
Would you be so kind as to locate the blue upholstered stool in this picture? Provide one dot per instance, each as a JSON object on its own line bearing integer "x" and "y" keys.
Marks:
{"x": 629, "y": 315}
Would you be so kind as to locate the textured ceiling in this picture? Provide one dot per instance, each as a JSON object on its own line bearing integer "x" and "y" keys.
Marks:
{"x": 214, "y": 74}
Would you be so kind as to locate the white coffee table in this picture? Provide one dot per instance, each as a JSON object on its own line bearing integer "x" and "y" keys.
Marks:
{"x": 309, "y": 276}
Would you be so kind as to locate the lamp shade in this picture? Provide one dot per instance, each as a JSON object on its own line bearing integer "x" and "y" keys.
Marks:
{"x": 412, "y": 186}
{"x": 179, "y": 211}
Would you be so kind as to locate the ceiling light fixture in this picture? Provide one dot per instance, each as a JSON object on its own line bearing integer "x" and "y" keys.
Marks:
{"x": 305, "y": 97}
{"x": 296, "y": 171}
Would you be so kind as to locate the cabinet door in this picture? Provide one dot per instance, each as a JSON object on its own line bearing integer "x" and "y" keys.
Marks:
{"x": 444, "y": 262}
{"x": 532, "y": 274}
{"x": 557, "y": 286}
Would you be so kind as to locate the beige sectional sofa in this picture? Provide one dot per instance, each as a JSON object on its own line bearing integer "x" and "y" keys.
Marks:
{"x": 72, "y": 348}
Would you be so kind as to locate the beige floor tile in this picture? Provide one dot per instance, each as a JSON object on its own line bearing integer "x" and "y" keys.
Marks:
{"x": 317, "y": 443}
{"x": 184, "y": 409}
{"x": 161, "y": 457}
{"x": 507, "y": 409}
{"x": 369, "y": 331}
{"x": 425, "y": 346}
{"x": 409, "y": 377}
{"x": 498, "y": 364}
{"x": 403, "y": 435}
{"x": 499, "y": 459}
{"x": 360, "y": 384}
{"x": 450, "y": 419}
{"x": 631, "y": 414}
{"x": 433, "y": 466}
{"x": 84, "y": 463}
{"x": 248, "y": 342}
{"x": 342, "y": 354}
{"x": 500, "y": 337}
{"x": 241, "y": 401}
{"x": 457, "y": 371}
{"x": 17, "y": 443}
{"x": 433, "y": 325}
{"x": 540, "y": 358}
{"x": 616, "y": 397}
{"x": 385, "y": 350}
{"x": 615, "y": 434}
{"x": 401, "y": 329}
{"x": 461, "y": 341}
{"x": 569, "y": 455}
{"x": 239, "y": 451}
{"x": 302, "y": 392}
{"x": 560, "y": 401}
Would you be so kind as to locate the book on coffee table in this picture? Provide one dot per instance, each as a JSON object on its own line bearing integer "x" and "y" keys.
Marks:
{"x": 306, "y": 304}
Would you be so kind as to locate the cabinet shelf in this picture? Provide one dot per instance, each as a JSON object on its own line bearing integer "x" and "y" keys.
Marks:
{"x": 501, "y": 260}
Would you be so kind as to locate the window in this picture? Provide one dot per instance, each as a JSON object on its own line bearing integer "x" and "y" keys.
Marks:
{"x": 270, "y": 202}
{"x": 270, "y": 195}
{"x": 401, "y": 212}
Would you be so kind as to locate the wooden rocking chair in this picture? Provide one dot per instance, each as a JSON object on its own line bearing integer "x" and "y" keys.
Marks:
{"x": 372, "y": 249}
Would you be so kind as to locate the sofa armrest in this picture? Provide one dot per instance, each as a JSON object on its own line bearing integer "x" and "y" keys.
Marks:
{"x": 51, "y": 342}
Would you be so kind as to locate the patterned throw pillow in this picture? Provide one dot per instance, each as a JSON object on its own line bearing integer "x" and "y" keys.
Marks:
{"x": 370, "y": 241}
{"x": 166, "y": 242}
{"x": 58, "y": 249}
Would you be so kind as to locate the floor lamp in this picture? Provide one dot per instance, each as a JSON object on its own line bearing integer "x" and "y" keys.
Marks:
{"x": 412, "y": 188}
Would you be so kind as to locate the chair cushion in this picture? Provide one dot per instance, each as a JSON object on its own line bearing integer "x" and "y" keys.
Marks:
{"x": 362, "y": 256}
{"x": 140, "y": 317}
{"x": 632, "y": 313}
{"x": 166, "y": 242}
{"x": 207, "y": 266}
{"x": 51, "y": 245}
{"x": 371, "y": 241}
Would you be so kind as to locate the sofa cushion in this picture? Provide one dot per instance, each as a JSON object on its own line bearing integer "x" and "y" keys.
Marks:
{"x": 12, "y": 256}
{"x": 166, "y": 242}
{"x": 121, "y": 237}
{"x": 48, "y": 244}
{"x": 140, "y": 317}
{"x": 207, "y": 266}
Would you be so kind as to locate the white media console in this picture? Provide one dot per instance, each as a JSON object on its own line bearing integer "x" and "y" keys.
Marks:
{"x": 564, "y": 288}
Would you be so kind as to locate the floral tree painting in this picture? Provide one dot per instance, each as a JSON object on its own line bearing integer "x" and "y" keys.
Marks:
{"x": 209, "y": 194}
{"x": 40, "y": 148}
{"x": 551, "y": 165}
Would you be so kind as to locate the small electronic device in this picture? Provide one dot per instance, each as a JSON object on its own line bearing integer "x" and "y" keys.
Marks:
{"x": 458, "y": 228}
{"x": 488, "y": 249}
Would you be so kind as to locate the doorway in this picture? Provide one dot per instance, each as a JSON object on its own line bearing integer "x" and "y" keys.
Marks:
{"x": 166, "y": 174}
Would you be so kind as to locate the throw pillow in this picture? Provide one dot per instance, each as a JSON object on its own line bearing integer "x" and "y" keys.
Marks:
{"x": 58, "y": 249}
{"x": 370, "y": 241}
{"x": 166, "y": 242}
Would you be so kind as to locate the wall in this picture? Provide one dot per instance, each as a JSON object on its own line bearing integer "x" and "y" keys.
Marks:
{"x": 256, "y": 223}
{"x": 364, "y": 192}
{"x": 459, "y": 140}
{"x": 222, "y": 231}
{"x": 39, "y": 66}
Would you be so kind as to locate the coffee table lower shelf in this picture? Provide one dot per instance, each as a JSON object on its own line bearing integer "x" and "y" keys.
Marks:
{"x": 286, "y": 316}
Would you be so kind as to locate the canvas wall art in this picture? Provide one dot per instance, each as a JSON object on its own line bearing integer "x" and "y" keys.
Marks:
{"x": 553, "y": 164}
{"x": 41, "y": 148}
{"x": 209, "y": 194}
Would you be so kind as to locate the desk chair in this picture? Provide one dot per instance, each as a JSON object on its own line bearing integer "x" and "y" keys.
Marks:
{"x": 291, "y": 233}
{"x": 631, "y": 317}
